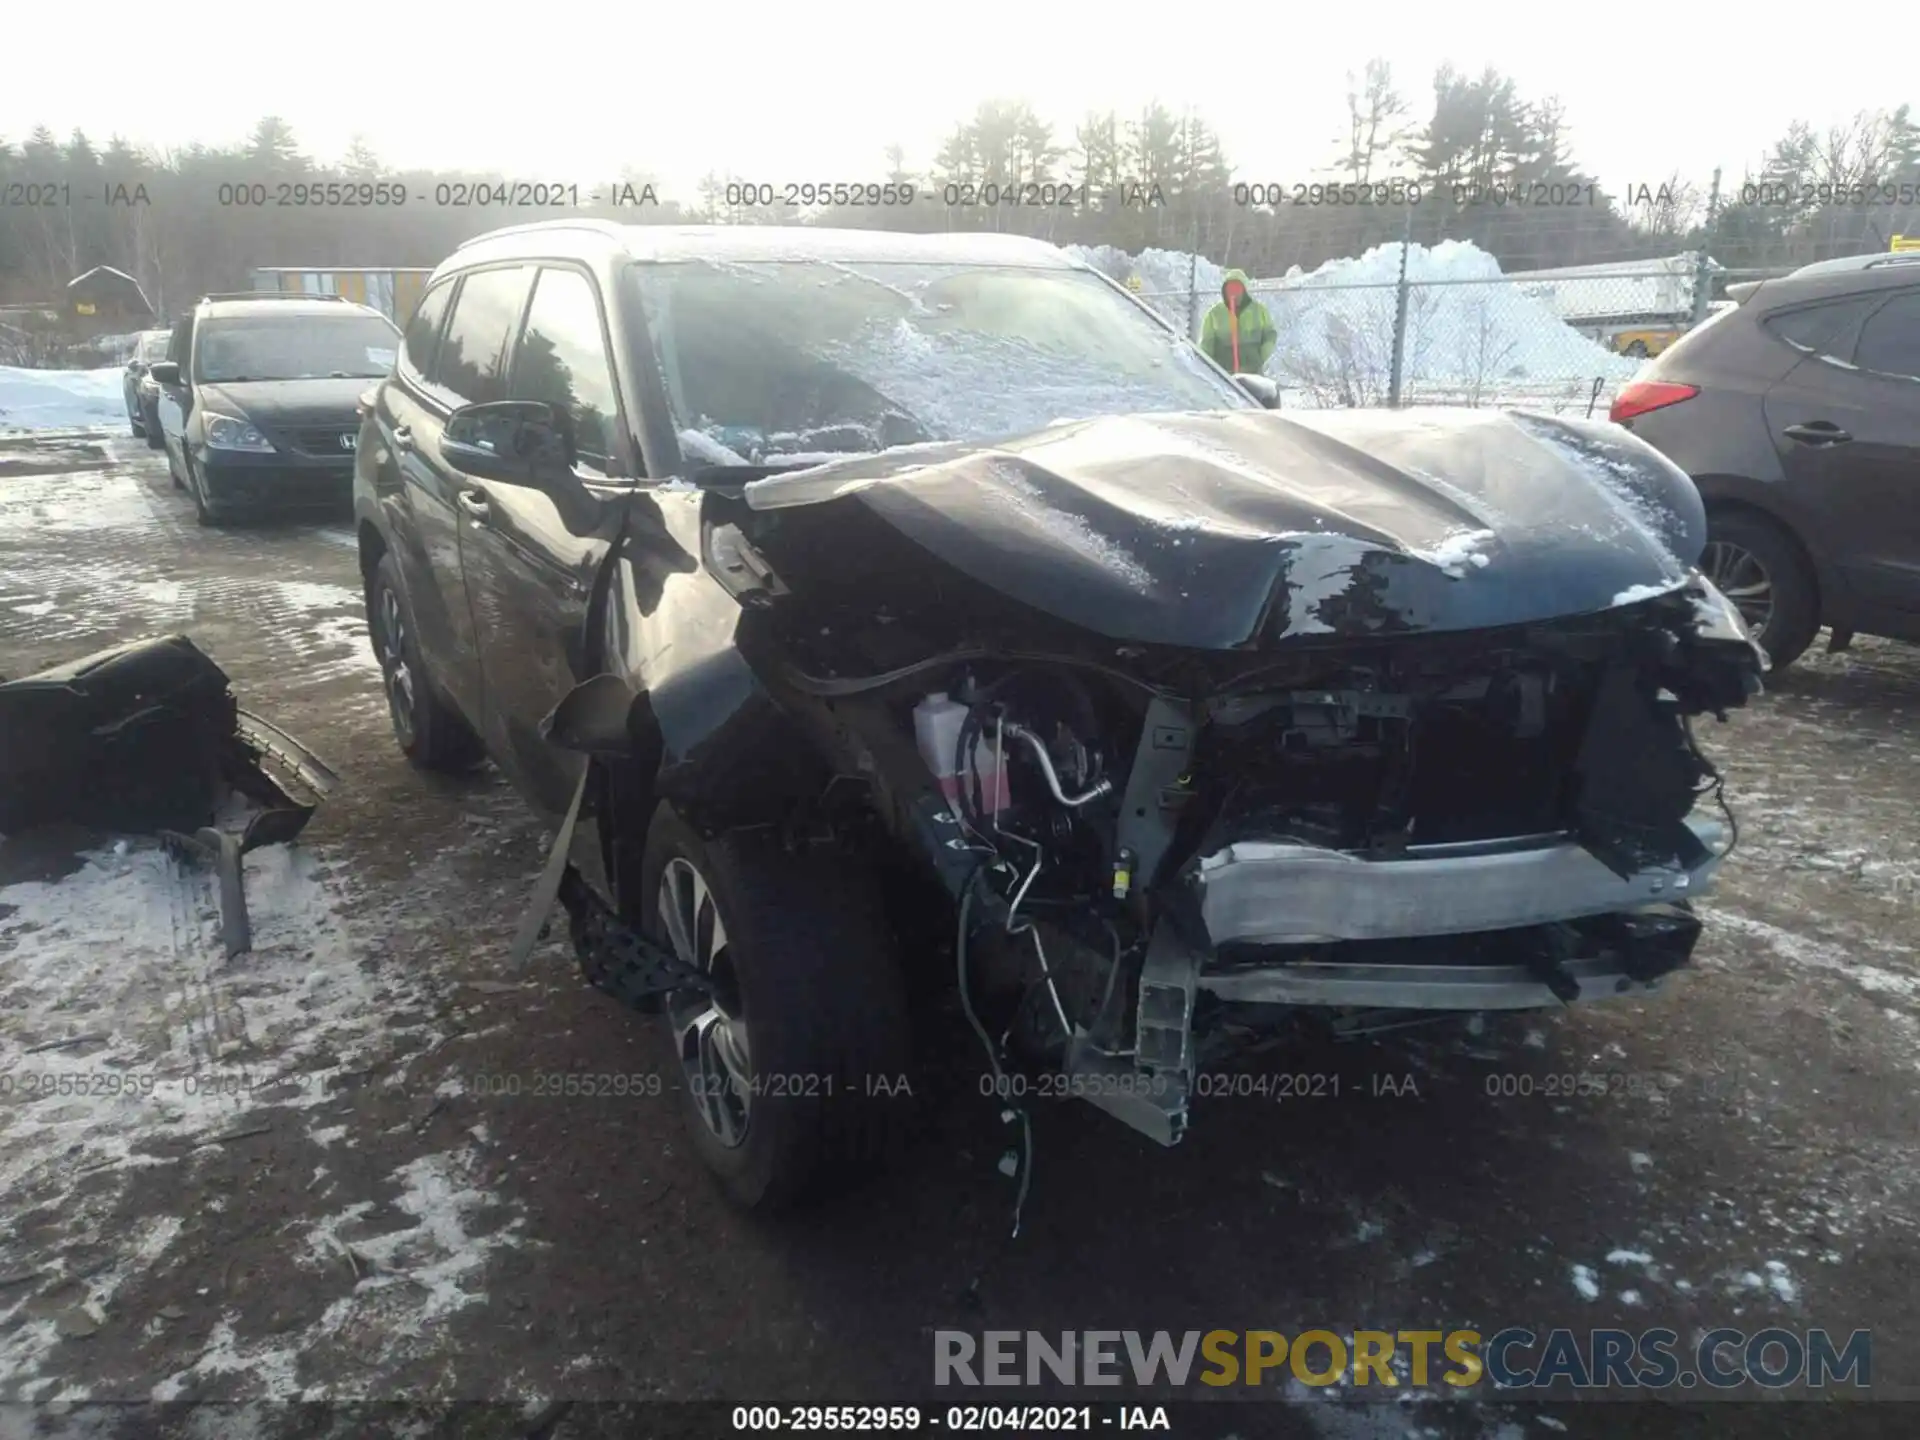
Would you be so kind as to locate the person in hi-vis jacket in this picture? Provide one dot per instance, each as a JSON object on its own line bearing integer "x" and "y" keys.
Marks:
{"x": 1238, "y": 334}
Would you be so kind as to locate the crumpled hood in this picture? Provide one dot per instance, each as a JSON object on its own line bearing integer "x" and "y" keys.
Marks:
{"x": 1232, "y": 275}
{"x": 1224, "y": 529}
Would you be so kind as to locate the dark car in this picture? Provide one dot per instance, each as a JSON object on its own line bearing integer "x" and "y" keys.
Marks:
{"x": 258, "y": 396}
{"x": 142, "y": 394}
{"x": 862, "y": 605}
{"x": 1797, "y": 413}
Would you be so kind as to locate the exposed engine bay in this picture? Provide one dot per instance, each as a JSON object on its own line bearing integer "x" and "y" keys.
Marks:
{"x": 1161, "y": 856}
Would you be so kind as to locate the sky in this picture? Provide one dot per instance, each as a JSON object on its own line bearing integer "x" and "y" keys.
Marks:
{"x": 571, "y": 90}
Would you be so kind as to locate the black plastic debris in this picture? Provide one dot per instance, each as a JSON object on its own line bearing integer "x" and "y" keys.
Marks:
{"x": 146, "y": 738}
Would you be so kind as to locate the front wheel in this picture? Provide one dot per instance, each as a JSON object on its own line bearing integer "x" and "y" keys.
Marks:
{"x": 794, "y": 1064}
{"x": 203, "y": 510}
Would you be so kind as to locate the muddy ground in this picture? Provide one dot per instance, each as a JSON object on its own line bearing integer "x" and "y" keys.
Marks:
{"x": 301, "y": 1174}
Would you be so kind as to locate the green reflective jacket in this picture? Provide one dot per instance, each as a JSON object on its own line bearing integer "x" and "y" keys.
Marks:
{"x": 1256, "y": 333}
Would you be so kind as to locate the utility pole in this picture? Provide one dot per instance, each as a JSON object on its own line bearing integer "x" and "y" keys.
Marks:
{"x": 1702, "y": 261}
{"x": 1394, "y": 383}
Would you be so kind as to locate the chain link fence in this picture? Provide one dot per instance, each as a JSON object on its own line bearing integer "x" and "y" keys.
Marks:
{"x": 1430, "y": 331}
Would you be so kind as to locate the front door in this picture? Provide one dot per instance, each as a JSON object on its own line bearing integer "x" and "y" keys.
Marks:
{"x": 529, "y": 562}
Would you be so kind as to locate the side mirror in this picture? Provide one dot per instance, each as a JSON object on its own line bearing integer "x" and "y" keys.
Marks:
{"x": 1261, "y": 389}
{"x": 518, "y": 442}
{"x": 165, "y": 372}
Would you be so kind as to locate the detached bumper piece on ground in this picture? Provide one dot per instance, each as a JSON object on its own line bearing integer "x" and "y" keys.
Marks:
{"x": 146, "y": 738}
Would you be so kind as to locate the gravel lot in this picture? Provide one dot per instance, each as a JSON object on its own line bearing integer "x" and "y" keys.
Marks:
{"x": 319, "y": 1191}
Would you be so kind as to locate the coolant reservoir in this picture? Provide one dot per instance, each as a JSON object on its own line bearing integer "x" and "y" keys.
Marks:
{"x": 936, "y": 729}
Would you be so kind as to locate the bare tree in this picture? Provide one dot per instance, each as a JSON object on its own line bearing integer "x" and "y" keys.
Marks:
{"x": 1376, "y": 112}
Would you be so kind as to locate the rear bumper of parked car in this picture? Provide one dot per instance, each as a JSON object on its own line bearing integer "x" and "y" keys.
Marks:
{"x": 252, "y": 482}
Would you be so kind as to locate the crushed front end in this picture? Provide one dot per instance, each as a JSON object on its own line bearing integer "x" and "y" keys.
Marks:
{"x": 1210, "y": 725}
{"x": 1164, "y": 855}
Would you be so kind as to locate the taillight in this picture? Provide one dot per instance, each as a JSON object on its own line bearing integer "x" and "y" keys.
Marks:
{"x": 1640, "y": 396}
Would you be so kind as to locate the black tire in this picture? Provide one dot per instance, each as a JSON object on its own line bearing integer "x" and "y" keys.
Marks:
{"x": 1793, "y": 618}
{"x": 429, "y": 731}
{"x": 809, "y": 969}
{"x": 204, "y": 512}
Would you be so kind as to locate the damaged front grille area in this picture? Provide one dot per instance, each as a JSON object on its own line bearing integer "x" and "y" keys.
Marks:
{"x": 1530, "y": 967}
{"x": 1555, "y": 729}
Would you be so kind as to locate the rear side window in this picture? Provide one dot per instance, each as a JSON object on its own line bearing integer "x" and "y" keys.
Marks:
{"x": 1818, "y": 328}
{"x": 423, "y": 334}
{"x": 562, "y": 359}
{"x": 1890, "y": 340}
{"x": 473, "y": 356}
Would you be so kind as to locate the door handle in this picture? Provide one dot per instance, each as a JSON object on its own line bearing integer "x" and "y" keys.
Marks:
{"x": 1819, "y": 432}
{"x": 475, "y": 505}
{"x": 402, "y": 437}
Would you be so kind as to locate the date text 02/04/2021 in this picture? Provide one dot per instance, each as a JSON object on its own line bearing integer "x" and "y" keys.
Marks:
{"x": 958, "y": 1419}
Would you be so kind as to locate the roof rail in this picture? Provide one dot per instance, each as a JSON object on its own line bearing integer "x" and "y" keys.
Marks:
{"x": 272, "y": 295}
{"x": 1849, "y": 263}
{"x": 612, "y": 229}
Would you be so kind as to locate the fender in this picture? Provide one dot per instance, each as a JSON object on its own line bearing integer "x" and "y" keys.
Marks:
{"x": 670, "y": 709}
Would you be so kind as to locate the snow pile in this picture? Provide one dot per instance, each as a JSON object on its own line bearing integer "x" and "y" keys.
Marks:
{"x": 61, "y": 399}
{"x": 1472, "y": 336}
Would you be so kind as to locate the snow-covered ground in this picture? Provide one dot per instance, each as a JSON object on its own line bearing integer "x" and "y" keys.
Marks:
{"x": 1473, "y": 336}
{"x": 61, "y": 399}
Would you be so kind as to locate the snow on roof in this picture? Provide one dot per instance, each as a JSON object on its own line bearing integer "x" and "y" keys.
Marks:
{"x": 118, "y": 275}
{"x": 104, "y": 270}
{"x": 1682, "y": 264}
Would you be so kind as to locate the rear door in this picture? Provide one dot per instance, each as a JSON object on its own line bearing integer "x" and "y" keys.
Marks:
{"x": 528, "y": 572}
{"x": 1846, "y": 422}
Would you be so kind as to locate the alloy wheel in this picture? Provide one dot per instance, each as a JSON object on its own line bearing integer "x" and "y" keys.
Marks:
{"x": 709, "y": 1031}
{"x": 397, "y": 674}
{"x": 1739, "y": 575}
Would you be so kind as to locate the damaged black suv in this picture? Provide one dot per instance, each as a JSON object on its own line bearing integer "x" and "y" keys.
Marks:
{"x": 789, "y": 568}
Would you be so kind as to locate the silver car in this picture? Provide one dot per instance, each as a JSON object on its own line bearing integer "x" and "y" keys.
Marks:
{"x": 142, "y": 394}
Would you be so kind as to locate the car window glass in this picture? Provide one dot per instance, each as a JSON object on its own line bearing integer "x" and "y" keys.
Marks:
{"x": 423, "y": 332}
{"x": 350, "y": 345}
{"x": 473, "y": 356}
{"x": 1817, "y": 327}
{"x": 796, "y": 359}
{"x": 562, "y": 359}
{"x": 1890, "y": 340}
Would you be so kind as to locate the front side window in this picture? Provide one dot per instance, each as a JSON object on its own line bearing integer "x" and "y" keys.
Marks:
{"x": 1890, "y": 340}
{"x": 473, "y": 356}
{"x": 562, "y": 359}
{"x": 295, "y": 347}
{"x": 153, "y": 346}
{"x": 423, "y": 333}
{"x": 781, "y": 361}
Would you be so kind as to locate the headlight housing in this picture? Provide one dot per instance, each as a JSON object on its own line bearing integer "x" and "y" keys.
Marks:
{"x": 228, "y": 432}
{"x": 1718, "y": 618}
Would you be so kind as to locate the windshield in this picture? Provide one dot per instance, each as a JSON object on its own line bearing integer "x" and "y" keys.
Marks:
{"x": 780, "y": 361}
{"x": 296, "y": 347}
{"x": 153, "y": 346}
